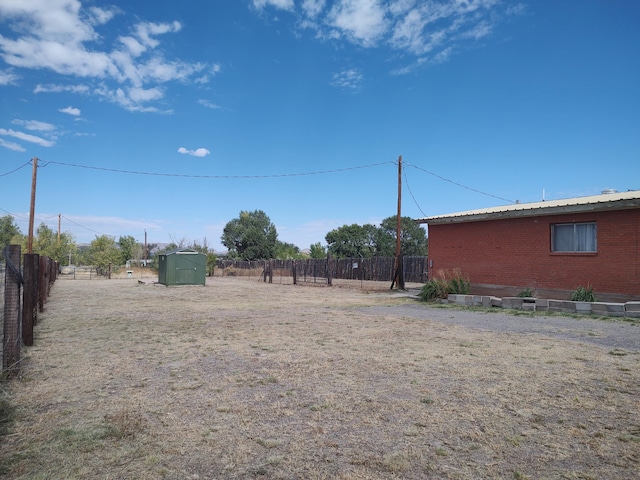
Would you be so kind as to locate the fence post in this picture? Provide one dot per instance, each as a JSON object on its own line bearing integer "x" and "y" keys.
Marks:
{"x": 329, "y": 279}
{"x": 29, "y": 296}
{"x": 293, "y": 270}
{"x": 42, "y": 282}
{"x": 270, "y": 271}
{"x": 12, "y": 339}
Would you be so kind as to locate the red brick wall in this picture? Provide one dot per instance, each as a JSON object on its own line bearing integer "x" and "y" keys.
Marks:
{"x": 517, "y": 253}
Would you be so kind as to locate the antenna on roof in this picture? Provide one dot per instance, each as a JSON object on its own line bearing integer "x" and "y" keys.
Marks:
{"x": 543, "y": 194}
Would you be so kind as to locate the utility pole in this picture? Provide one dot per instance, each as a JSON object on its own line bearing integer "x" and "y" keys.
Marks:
{"x": 398, "y": 276}
{"x": 59, "y": 220}
{"x": 145, "y": 247}
{"x": 33, "y": 204}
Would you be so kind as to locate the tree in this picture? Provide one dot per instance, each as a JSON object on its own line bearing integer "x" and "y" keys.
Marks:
{"x": 317, "y": 251}
{"x": 251, "y": 236}
{"x": 413, "y": 238}
{"x": 9, "y": 233}
{"x": 128, "y": 249}
{"x": 287, "y": 251}
{"x": 103, "y": 252}
{"x": 353, "y": 241}
{"x": 47, "y": 243}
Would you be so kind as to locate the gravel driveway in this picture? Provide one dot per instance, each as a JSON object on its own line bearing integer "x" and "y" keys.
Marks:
{"x": 614, "y": 333}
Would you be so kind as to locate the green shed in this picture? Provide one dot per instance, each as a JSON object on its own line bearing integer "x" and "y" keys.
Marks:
{"x": 182, "y": 267}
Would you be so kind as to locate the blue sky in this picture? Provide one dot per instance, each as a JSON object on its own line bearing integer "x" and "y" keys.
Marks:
{"x": 301, "y": 108}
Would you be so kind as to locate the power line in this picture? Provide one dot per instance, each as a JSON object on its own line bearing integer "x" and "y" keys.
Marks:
{"x": 15, "y": 170}
{"x": 82, "y": 226}
{"x": 411, "y": 193}
{"x": 461, "y": 185}
{"x": 182, "y": 175}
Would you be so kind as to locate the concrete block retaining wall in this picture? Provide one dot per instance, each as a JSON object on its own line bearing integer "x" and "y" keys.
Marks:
{"x": 629, "y": 309}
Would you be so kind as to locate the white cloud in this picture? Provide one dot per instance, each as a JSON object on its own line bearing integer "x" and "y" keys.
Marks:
{"x": 100, "y": 16}
{"x": 8, "y": 78}
{"x": 12, "y": 146}
{"x": 208, "y": 104}
{"x": 199, "y": 152}
{"x": 350, "y": 79}
{"x": 27, "y": 137}
{"x": 362, "y": 21}
{"x": 70, "y": 111}
{"x": 61, "y": 88}
{"x": 313, "y": 8}
{"x": 431, "y": 30}
{"x": 62, "y": 36}
{"x": 281, "y": 4}
{"x": 140, "y": 95}
{"x": 35, "y": 125}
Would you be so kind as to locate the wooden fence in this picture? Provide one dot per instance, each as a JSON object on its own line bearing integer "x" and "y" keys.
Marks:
{"x": 26, "y": 284}
{"x": 379, "y": 269}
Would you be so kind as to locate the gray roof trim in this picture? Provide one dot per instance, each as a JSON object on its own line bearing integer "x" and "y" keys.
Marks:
{"x": 594, "y": 203}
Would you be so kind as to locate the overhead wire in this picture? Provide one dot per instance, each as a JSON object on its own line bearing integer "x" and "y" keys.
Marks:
{"x": 82, "y": 226}
{"x": 406, "y": 182}
{"x": 459, "y": 184}
{"x": 15, "y": 169}
{"x": 300, "y": 174}
{"x": 182, "y": 175}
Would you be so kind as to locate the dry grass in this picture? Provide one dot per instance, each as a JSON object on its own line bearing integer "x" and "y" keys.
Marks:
{"x": 244, "y": 379}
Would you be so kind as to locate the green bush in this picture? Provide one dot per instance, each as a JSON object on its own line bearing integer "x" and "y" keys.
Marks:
{"x": 459, "y": 284}
{"x": 434, "y": 289}
{"x": 444, "y": 283}
{"x": 527, "y": 292}
{"x": 583, "y": 294}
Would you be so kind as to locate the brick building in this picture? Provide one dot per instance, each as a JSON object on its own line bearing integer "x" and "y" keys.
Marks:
{"x": 550, "y": 247}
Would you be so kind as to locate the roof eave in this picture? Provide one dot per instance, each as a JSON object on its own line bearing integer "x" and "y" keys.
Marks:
{"x": 626, "y": 204}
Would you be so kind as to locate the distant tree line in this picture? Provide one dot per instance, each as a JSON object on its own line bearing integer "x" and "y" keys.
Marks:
{"x": 251, "y": 236}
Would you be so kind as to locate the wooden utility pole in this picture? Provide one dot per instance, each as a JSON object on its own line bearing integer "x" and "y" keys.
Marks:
{"x": 59, "y": 222}
{"x": 399, "y": 276}
{"x": 145, "y": 247}
{"x": 33, "y": 205}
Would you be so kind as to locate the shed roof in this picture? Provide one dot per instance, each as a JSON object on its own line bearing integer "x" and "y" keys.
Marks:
{"x": 594, "y": 203}
{"x": 188, "y": 251}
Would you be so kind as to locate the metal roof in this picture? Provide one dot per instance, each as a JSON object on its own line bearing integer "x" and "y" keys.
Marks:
{"x": 594, "y": 203}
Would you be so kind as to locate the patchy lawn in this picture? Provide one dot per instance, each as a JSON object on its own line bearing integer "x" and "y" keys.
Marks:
{"x": 242, "y": 379}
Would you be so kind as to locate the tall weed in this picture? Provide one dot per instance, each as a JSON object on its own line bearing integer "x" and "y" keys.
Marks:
{"x": 443, "y": 283}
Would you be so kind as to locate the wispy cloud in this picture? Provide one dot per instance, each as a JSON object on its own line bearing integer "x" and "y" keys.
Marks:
{"x": 70, "y": 111}
{"x": 56, "y": 36}
{"x": 198, "y": 152}
{"x": 12, "y": 146}
{"x": 431, "y": 31}
{"x": 281, "y": 4}
{"x": 208, "y": 104}
{"x": 50, "y": 88}
{"x": 361, "y": 21}
{"x": 35, "y": 125}
{"x": 7, "y": 77}
{"x": 27, "y": 137}
{"x": 350, "y": 79}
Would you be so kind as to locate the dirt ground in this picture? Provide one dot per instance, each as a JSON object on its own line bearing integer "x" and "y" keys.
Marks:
{"x": 242, "y": 379}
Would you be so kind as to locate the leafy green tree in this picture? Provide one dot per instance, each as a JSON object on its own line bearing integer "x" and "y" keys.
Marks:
{"x": 316, "y": 250}
{"x": 212, "y": 260}
{"x": 413, "y": 238}
{"x": 353, "y": 241}
{"x": 286, "y": 251}
{"x": 9, "y": 233}
{"x": 200, "y": 247}
{"x": 104, "y": 251}
{"x": 128, "y": 249}
{"x": 46, "y": 243}
{"x": 251, "y": 236}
